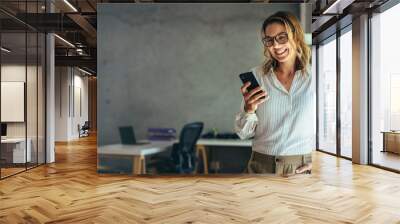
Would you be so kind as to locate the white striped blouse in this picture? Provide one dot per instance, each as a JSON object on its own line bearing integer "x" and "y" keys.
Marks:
{"x": 284, "y": 124}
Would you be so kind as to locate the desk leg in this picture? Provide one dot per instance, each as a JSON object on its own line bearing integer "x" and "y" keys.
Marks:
{"x": 384, "y": 143}
{"x": 143, "y": 163}
{"x": 202, "y": 149}
{"x": 137, "y": 165}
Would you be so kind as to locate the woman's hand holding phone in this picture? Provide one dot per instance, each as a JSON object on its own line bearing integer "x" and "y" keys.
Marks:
{"x": 253, "y": 98}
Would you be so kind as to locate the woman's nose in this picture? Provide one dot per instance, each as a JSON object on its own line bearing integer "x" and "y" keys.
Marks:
{"x": 275, "y": 44}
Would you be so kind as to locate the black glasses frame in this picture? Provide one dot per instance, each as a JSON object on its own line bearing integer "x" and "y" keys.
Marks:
{"x": 269, "y": 41}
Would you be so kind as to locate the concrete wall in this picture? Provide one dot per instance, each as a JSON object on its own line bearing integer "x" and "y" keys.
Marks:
{"x": 163, "y": 65}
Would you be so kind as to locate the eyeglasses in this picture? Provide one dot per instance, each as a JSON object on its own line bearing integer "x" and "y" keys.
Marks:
{"x": 281, "y": 38}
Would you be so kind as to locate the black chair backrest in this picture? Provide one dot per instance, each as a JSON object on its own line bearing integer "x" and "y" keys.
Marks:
{"x": 127, "y": 135}
{"x": 86, "y": 124}
{"x": 189, "y": 136}
{"x": 183, "y": 153}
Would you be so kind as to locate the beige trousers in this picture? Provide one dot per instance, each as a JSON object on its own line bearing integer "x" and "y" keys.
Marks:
{"x": 279, "y": 165}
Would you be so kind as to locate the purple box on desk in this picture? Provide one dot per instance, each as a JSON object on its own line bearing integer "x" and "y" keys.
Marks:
{"x": 161, "y": 134}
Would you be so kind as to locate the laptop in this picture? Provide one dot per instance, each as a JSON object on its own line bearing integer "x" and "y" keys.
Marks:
{"x": 3, "y": 131}
{"x": 127, "y": 136}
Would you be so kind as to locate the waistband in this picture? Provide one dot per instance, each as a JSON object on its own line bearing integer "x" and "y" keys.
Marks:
{"x": 306, "y": 158}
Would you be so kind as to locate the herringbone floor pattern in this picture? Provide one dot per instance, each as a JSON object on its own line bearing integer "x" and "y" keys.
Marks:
{"x": 70, "y": 191}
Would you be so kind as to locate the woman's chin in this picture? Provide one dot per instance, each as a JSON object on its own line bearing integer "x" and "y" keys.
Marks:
{"x": 283, "y": 60}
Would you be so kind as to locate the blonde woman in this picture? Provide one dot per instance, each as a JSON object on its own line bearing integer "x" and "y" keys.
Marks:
{"x": 280, "y": 117}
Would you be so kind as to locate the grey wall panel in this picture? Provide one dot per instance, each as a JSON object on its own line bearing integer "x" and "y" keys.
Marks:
{"x": 163, "y": 65}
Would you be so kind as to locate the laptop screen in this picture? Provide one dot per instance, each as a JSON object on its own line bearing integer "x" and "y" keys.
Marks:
{"x": 3, "y": 129}
{"x": 127, "y": 135}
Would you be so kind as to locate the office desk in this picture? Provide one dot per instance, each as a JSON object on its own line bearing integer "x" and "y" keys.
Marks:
{"x": 19, "y": 155}
{"x": 391, "y": 141}
{"x": 203, "y": 143}
{"x": 137, "y": 152}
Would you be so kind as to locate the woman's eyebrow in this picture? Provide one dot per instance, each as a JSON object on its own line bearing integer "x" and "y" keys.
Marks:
{"x": 275, "y": 35}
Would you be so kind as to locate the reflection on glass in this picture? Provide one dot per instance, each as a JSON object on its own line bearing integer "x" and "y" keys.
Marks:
{"x": 13, "y": 85}
{"x": 31, "y": 88}
{"x": 327, "y": 97}
{"x": 41, "y": 98}
{"x": 346, "y": 94}
{"x": 22, "y": 93}
{"x": 31, "y": 101}
{"x": 395, "y": 102}
{"x": 385, "y": 87}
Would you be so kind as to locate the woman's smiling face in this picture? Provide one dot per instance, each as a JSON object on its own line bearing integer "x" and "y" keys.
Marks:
{"x": 280, "y": 48}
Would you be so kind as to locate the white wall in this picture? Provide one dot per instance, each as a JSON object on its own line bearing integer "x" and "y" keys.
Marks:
{"x": 16, "y": 73}
{"x": 33, "y": 127}
{"x": 70, "y": 84}
{"x": 81, "y": 82}
{"x": 61, "y": 103}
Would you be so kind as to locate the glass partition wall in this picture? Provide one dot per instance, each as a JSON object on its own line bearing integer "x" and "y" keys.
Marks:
{"x": 22, "y": 99}
{"x": 346, "y": 75}
{"x": 385, "y": 90}
{"x": 13, "y": 110}
{"x": 327, "y": 95}
{"x": 334, "y": 71}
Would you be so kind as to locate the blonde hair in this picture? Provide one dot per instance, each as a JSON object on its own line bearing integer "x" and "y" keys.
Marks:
{"x": 296, "y": 40}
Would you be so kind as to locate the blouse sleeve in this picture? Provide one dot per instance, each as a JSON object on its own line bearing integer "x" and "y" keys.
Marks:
{"x": 245, "y": 123}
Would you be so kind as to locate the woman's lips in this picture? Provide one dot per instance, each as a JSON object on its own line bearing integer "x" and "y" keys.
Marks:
{"x": 281, "y": 54}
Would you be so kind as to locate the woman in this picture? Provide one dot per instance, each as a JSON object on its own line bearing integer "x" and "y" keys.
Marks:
{"x": 280, "y": 117}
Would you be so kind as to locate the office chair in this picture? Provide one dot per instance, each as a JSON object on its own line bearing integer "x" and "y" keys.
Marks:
{"x": 183, "y": 157}
{"x": 86, "y": 126}
{"x": 84, "y": 130}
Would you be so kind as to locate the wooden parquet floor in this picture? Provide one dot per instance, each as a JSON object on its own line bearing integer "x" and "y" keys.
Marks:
{"x": 70, "y": 191}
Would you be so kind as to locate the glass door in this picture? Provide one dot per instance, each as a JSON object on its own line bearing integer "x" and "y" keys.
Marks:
{"x": 327, "y": 95}
{"x": 346, "y": 92}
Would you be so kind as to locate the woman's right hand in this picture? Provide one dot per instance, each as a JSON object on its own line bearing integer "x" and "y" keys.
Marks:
{"x": 252, "y": 99}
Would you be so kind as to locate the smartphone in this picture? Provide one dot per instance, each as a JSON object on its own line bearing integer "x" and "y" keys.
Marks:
{"x": 249, "y": 77}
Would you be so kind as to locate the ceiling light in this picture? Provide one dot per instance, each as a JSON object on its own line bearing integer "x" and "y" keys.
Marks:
{"x": 70, "y": 5}
{"x": 64, "y": 40}
{"x": 329, "y": 9}
{"x": 5, "y": 50}
{"x": 86, "y": 72}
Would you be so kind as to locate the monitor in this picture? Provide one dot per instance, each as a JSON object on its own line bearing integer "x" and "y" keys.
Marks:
{"x": 127, "y": 135}
{"x": 3, "y": 129}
